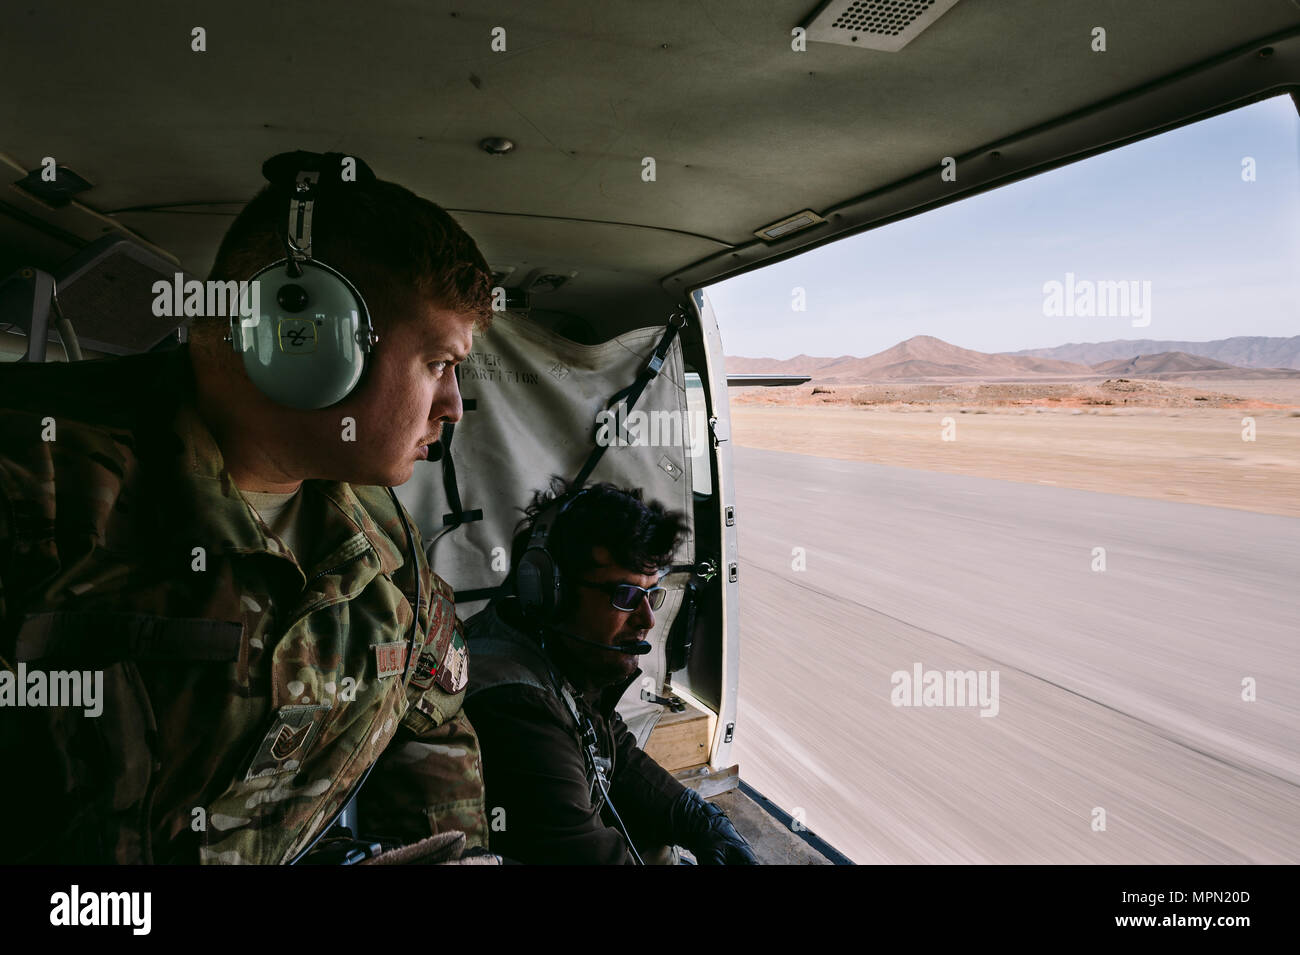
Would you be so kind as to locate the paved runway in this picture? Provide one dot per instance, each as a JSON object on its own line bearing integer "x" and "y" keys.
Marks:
{"x": 1119, "y": 690}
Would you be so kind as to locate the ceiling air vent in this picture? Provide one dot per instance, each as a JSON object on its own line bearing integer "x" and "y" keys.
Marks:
{"x": 886, "y": 25}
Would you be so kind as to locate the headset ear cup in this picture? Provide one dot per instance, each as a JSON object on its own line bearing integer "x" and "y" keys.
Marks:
{"x": 535, "y": 584}
{"x": 539, "y": 584}
{"x": 304, "y": 347}
{"x": 562, "y": 593}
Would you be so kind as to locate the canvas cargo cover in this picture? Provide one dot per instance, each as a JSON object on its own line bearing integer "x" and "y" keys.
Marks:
{"x": 532, "y": 402}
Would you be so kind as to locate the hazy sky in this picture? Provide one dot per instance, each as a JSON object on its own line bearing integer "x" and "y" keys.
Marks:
{"x": 1222, "y": 255}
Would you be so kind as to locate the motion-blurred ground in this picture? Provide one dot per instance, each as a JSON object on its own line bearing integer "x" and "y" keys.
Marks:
{"x": 1120, "y": 689}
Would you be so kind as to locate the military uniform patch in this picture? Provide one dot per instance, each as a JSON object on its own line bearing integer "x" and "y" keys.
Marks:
{"x": 287, "y": 741}
{"x": 454, "y": 672}
{"x": 426, "y": 666}
{"x": 390, "y": 658}
{"x": 436, "y": 643}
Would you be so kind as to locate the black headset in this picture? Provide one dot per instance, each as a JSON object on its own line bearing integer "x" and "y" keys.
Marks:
{"x": 306, "y": 343}
{"x": 539, "y": 582}
{"x": 540, "y": 586}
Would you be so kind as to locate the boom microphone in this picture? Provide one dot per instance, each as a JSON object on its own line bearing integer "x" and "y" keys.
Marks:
{"x": 639, "y": 648}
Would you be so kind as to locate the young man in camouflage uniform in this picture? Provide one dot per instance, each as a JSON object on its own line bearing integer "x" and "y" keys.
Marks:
{"x": 238, "y": 574}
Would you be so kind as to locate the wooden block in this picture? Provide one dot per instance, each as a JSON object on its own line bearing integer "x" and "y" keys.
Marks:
{"x": 680, "y": 740}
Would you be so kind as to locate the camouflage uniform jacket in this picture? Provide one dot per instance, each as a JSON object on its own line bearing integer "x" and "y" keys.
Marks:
{"x": 243, "y": 693}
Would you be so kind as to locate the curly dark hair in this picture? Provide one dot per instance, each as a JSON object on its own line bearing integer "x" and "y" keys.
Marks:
{"x": 639, "y": 535}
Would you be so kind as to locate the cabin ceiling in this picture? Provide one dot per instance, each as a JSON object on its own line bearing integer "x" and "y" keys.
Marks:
{"x": 743, "y": 130}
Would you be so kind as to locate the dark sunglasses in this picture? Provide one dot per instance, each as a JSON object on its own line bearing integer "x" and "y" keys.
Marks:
{"x": 627, "y": 597}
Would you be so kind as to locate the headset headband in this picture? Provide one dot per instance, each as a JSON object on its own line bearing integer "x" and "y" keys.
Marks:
{"x": 298, "y": 238}
{"x": 304, "y": 175}
{"x": 283, "y": 169}
{"x": 544, "y": 522}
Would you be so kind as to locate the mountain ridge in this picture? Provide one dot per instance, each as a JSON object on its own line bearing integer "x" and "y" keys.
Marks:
{"x": 1245, "y": 351}
{"x": 924, "y": 356}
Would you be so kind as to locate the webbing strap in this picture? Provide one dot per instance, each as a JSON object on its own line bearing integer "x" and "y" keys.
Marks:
{"x": 632, "y": 393}
{"x": 481, "y": 593}
{"x": 450, "y": 487}
{"x": 94, "y": 637}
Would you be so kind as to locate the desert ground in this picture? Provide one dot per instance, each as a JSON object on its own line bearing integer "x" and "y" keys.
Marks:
{"x": 1171, "y": 440}
{"x": 1120, "y": 691}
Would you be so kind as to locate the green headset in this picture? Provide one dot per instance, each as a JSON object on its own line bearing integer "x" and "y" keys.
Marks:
{"x": 307, "y": 344}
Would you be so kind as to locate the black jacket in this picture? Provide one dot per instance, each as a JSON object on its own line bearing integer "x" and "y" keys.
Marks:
{"x": 543, "y": 804}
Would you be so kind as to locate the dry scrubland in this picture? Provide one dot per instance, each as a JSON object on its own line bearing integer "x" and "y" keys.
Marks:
{"x": 1178, "y": 441}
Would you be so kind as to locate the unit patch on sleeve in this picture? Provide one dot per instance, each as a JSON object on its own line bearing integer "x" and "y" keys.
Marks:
{"x": 454, "y": 672}
{"x": 287, "y": 741}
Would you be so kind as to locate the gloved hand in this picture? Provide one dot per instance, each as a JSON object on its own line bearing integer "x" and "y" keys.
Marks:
{"x": 705, "y": 829}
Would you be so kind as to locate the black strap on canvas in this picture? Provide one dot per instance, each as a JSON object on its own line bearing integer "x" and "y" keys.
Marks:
{"x": 458, "y": 515}
{"x": 632, "y": 393}
{"x": 480, "y": 593}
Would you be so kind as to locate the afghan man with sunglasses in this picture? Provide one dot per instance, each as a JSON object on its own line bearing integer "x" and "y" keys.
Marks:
{"x": 565, "y": 781}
